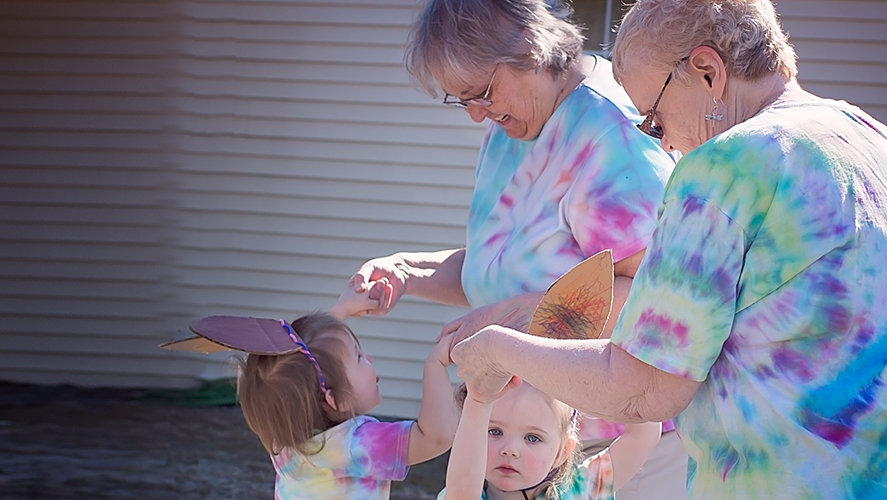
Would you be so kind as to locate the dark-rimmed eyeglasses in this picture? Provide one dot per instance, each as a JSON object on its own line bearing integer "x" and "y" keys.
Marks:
{"x": 647, "y": 126}
{"x": 480, "y": 100}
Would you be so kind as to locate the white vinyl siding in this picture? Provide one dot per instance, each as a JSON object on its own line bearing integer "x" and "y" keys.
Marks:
{"x": 842, "y": 49}
{"x": 163, "y": 164}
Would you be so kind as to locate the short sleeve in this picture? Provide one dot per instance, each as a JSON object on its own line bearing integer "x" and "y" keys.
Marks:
{"x": 592, "y": 480}
{"x": 681, "y": 305}
{"x": 614, "y": 204}
{"x": 379, "y": 450}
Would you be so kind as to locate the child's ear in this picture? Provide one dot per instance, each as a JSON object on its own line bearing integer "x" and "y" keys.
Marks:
{"x": 566, "y": 451}
{"x": 335, "y": 411}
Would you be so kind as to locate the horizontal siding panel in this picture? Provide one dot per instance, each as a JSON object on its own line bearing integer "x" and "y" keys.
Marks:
{"x": 124, "y": 288}
{"x": 84, "y": 345}
{"x": 284, "y": 189}
{"x": 824, "y": 29}
{"x": 30, "y": 27}
{"x": 78, "y": 270}
{"x": 863, "y": 74}
{"x": 72, "y": 84}
{"x": 54, "y": 64}
{"x": 860, "y": 95}
{"x": 363, "y": 210}
{"x": 295, "y": 13}
{"x": 304, "y": 90}
{"x": 60, "y": 103}
{"x": 91, "y": 251}
{"x": 394, "y": 174}
{"x": 72, "y": 214}
{"x": 328, "y": 130}
{"x": 79, "y": 233}
{"x": 73, "y": 306}
{"x": 51, "y": 376}
{"x": 227, "y": 31}
{"x": 107, "y": 365}
{"x": 76, "y": 177}
{"x": 363, "y": 53}
{"x": 147, "y": 48}
{"x": 82, "y": 157}
{"x": 367, "y": 74}
{"x": 434, "y": 114}
{"x": 98, "y": 327}
{"x": 403, "y": 232}
{"x": 82, "y": 196}
{"x": 454, "y": 156}
{"x": 88, "y": 10}
{"x": 842, "y": 52}
{"x": 835, "y": 10}
{"x": 120, "y": 142}
{"x": 342, "y": 247}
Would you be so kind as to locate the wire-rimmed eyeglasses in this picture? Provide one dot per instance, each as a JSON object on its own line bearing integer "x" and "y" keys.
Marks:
{"x": 647, "y": 126}
{"x": 480, "y": 100}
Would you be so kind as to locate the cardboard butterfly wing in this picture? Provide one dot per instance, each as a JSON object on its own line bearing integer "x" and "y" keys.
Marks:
{"x": 252, "y": 335}
{"x": 578, "y": 304}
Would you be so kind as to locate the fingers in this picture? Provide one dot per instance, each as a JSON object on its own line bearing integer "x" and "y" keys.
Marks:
{"x": 450, "y": 327}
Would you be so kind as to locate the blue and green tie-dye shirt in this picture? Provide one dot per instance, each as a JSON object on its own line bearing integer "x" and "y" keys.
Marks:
{"x": 766, "y": 280}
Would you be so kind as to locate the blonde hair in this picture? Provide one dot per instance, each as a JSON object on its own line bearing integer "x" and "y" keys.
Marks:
{"x": 457, "y": 41}
{"x": 746, "y": 34}
{"x": 281, "y": 396}
{"x": 568, "y": 423}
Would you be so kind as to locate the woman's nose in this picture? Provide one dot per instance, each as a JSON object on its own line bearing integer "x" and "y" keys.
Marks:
{"x": 477, "y": 113}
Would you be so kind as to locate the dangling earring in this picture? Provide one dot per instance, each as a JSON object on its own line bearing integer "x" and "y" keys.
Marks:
{"x": 714, "y": 115}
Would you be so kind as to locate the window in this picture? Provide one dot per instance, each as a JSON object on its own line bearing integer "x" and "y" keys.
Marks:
{"x": 599, "y": 17}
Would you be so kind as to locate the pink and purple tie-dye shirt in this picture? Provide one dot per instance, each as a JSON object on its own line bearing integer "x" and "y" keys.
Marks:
{"x": 589, "y": 182}
{"x": 359, "y": 460}
{"x": 766, "y": 280}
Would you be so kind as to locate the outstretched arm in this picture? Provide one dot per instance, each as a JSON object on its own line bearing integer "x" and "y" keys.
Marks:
{"x": 468, "y": 458}
{"x": 435, "y": 276}
{"x": 593, "y": 376}
{"x": 432, "y": 434}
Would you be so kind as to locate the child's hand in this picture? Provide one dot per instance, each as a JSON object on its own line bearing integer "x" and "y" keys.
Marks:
{"x": 352, "y": 303}
{"x": 441, "y": 352}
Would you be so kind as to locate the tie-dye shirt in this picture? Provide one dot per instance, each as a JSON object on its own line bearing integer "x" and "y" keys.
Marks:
{"x": 359, "y": 460}
{"x": 590, "y": 480}
{"x": 766, "y": 280}
{"x": 589, "y": 182}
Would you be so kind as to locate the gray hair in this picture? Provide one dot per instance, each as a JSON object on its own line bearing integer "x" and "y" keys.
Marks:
{"x": 459, "y": 41}
{"x": 745, "y": 33}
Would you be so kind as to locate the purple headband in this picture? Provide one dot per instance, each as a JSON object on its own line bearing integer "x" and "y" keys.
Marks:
{"x": 304, "y": 349}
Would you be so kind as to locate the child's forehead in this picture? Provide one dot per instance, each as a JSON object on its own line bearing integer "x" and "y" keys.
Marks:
{"x": 525, "y": 406}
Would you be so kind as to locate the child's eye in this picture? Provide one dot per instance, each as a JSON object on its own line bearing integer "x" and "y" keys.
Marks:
{"x": 495, "y": 432}
{"x": 533, "y": 438}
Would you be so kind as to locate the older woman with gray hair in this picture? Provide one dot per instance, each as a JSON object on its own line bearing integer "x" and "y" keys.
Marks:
{"x": 563, "y": 173}
{"x": 759, "y": 312}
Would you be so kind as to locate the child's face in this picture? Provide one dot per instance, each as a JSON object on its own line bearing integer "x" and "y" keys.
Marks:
{"x": 361, "y": 375}
{"x": 524, "y": 440}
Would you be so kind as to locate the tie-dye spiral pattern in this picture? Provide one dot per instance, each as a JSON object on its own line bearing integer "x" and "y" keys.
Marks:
{"x": 766, "y": 280}
{"x": 589, "y": 182}
{"x": 359, "y": 460}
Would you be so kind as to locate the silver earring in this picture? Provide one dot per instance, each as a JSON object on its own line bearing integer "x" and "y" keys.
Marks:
{"x": 714, "y": 115}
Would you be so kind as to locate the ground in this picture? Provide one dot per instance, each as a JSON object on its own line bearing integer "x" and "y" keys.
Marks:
{"x": 66, "y": 443}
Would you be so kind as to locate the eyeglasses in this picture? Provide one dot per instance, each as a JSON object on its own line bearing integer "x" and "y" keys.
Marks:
{"x": 647, "y": 126}
{"x": 480, "y": 100}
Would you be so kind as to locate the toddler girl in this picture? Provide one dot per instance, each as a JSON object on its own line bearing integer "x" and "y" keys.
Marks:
{"x": 308, "y": 409}
{"x": 521, "y": 446}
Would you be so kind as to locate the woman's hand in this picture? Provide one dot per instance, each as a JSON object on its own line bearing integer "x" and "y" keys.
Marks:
{"x": 477, "y": 366}
{"x": 352, "y": 303}
{"x": 393, "y": 270}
